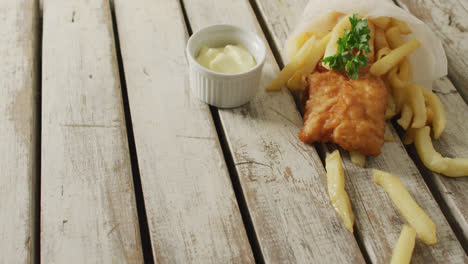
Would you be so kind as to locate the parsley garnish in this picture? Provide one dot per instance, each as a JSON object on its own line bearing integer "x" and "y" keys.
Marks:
{"x": 351, "y": 47}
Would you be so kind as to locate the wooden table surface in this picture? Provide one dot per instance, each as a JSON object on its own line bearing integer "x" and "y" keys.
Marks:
{"x": 106, "y": 157}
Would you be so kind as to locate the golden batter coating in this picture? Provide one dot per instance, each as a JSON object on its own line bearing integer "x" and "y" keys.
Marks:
{"x": 350, "y": 113}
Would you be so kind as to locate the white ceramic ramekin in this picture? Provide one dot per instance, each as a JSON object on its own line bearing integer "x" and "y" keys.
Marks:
{"x": 218, "y": 89}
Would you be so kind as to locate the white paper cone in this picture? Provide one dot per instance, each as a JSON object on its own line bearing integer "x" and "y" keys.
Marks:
{"x": 429, "y": 61}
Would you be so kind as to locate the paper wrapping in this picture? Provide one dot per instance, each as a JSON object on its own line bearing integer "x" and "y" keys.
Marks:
{"x": 429, "y": 62}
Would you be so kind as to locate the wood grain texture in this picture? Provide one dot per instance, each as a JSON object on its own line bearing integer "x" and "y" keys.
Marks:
{"x": 378, "y": 221}
{"x": 18, "y": 129}
{"x": 449, "y": 21}
{"x": 88, "y": 210}
{"x": 283, "y": 180}
{"x": 191, "y": 208}
{"x": 279, "y": 21}
{"x": 452, "y": 143}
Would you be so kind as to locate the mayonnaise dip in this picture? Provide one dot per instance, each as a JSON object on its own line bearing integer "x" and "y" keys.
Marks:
{"x": 228, "y": 59}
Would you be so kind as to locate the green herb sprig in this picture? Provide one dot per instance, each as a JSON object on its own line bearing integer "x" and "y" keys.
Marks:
{"x": 351, "y": 47}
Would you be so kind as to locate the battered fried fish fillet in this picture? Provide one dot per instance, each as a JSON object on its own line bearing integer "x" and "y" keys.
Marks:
{"x": 350, "y": 113}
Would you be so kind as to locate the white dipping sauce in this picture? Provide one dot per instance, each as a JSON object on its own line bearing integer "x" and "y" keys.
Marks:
{"x": 228, "y": 59}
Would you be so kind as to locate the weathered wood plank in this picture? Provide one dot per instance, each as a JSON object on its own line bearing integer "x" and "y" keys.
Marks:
{"x": 18, "y": 129}
{"x": 279, "y": 22}
{"x": 88, "y": 210}
{"x": 378, "y": 222}
{"x": 283, "y": 180}
{"x": 449, "y": 21}
{"x": 452, "y": 143}
{"x": 191, "y": 208}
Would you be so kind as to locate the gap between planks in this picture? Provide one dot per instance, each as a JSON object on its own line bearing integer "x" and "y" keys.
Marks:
{"x": 438, "y": 194}
{"x": 21, "y": 110}
{"x": 191, "y": 207}
{"x": 38, "y": 139}
{"x": 425, "y": 172}
{"x": 451, "y": 221}
{"x": 140, "y": 201}
{"x": 456, "y": 227}
{"x": 94, "y": 164}
{"x": 279, "y": 60}
{"x": 246, "y": 218}
{"x": 261, "y": 185}
{"x": 268, "y": 35}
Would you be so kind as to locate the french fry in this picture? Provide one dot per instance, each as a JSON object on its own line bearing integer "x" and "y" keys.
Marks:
{"x": 405, "y": 72}
{"x": 394, "y": 37}
{"x": 452, "y": 167}
{"x": 337, "y": 32}
{"x": 381, "y": 22}
{"x": 380, "y": 39}
{"x": 358, "y": 159}
{"x": 416, "y": 217}
{"x": 305, "y": 60}
{"x": 314, "y": 58}
{"x": 320, "y": 28}
{"x": 439, "y": 120}
{"x": 383, "y": 52}
{"x": 300, "y": 59}
{"x": 336, "y": 189}
{"x": 297, "y": 82}
{"x": 395, "y": 40}
{"x": 404, "y": 247}
{"x": 429, "y": 114}
{"x": 390, "y": 112}
{"x": 326, "y": 23}
{"x": 398, "y": 88}
{"x": 416, "y": 99}
{"x": 297, "y": 43}
{"x": 402, "y": 25}
{"x": 406, "y": 116}
{"x": 383, "y": 65}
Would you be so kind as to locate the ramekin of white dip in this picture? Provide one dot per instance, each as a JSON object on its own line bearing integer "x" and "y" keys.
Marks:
{"x": 225, "y": 90}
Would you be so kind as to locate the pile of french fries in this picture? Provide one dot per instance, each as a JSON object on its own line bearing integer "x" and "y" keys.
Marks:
{"x": 418, "y": 109}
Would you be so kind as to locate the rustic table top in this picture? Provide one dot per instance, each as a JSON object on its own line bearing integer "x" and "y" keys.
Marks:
{"x": 106, "y": 157}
